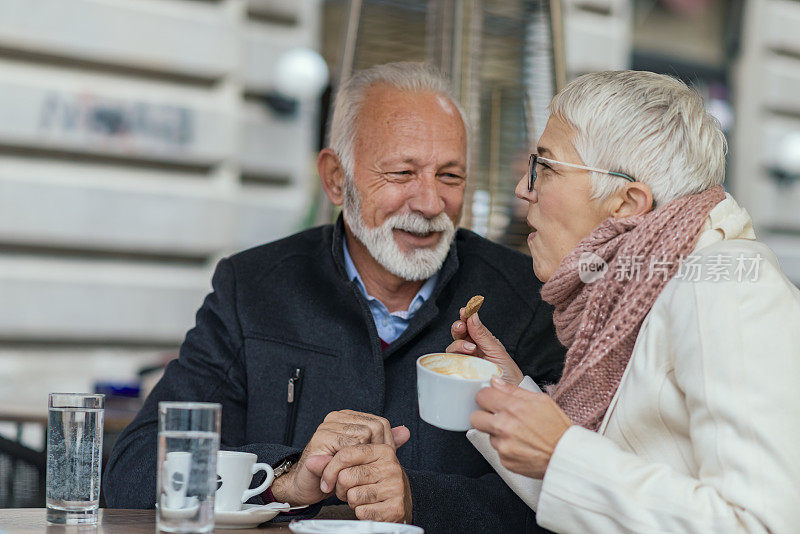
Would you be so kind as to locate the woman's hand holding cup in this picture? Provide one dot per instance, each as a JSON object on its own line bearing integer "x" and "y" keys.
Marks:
{"x": 472, "y": 338}
{"x": 524, "y": 427}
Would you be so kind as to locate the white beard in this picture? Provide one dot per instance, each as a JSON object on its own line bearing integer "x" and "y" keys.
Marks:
{"x": 418, "y": 264}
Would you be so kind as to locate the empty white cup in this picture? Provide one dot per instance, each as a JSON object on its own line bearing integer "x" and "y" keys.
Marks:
{"x": 235, "y": 471}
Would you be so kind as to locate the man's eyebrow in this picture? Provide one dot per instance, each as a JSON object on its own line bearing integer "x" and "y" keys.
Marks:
{"x": 544, "y": 151}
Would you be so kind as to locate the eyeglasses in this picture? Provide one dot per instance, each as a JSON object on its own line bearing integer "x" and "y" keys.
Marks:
{"x": 535, "y": 159}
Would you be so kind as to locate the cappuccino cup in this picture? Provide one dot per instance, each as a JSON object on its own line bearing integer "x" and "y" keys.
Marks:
{"x": 235, "y": 471}
{"x": 446, "y": 388}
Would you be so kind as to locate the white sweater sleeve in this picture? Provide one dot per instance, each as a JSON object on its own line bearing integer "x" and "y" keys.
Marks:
{"x": 737, "y": 360}
{"x": 526, "y": 488}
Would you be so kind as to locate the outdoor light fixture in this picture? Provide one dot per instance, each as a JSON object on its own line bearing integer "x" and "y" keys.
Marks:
{"x": 300, "y": 74}
{"x": 786, "y": 167}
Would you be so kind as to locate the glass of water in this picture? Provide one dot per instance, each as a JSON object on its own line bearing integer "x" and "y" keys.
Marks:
{"x": 188, "y": 441}
{"x": 74, "y": 454}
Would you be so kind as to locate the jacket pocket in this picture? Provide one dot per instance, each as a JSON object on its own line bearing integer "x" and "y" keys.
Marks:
{"x": 323, "y": 384}
{"x": 294, "y": 388}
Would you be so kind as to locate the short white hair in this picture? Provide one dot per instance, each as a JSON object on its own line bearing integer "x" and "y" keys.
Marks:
{"x": 650, "y": 126}
{"x": 403, "y": 75}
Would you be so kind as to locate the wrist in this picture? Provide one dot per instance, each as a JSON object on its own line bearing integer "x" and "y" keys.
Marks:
{"x": 282, "y": 487}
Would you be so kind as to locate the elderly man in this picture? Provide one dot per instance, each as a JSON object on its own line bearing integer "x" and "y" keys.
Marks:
{"x": 309, "y": 343}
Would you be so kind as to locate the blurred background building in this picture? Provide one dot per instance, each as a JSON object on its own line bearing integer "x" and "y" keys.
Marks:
{"x": 143, "y": 140}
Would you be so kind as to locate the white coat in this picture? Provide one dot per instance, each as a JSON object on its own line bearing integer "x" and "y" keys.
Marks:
{"x": 703, "y": 434}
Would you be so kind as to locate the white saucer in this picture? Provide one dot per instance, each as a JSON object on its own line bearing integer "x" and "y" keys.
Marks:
{"x": 251, "y": 515}
{"x": 337, "y": 526}
{"x": 188, "y": 510}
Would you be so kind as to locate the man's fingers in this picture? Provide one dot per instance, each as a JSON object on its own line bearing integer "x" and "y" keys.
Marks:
{"x": 366, "y": 494}
{"x": 370, "y": 512}
{"x": 316, "y": 464}
{"x": 358, "y": 455}
{"x": 330, "y": 438}
{"x": 401, "y": 435}
{"x": 361, "y": 433}
{"x": 391, "y": 510}
{"x": 349, "y": 422}
{"x": 379, "y": 425}
{"x": 379, "y": 428}
{"x": 358, "y": 475}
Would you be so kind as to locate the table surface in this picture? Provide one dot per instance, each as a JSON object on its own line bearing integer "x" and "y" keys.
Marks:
{"x": 117, "y": 521}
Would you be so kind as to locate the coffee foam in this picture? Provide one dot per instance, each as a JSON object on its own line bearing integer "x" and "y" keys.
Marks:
{"x": 459, "y": 366}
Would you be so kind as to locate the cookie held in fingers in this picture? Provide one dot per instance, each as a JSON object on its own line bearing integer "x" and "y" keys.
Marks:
{"x": 473, "y": 306}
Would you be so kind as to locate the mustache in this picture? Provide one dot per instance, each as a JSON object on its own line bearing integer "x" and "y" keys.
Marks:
{"x": 416, "y": 223}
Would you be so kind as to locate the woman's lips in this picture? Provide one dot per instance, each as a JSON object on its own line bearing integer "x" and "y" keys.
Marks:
{"x": 533, "y": 231}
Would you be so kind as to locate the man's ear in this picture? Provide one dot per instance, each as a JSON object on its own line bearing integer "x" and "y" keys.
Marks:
{"x": 634, "y": 199}
{"x": 331, "y": 173}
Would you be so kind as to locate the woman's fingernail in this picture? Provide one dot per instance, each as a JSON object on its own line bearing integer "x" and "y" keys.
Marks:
{"x": 324, "y": 487}
{"x": 499, "y": 383}
{"x": 469, "y": 346}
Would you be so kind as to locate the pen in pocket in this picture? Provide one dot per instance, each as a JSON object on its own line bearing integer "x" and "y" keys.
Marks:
{"x": 292, "y": 400}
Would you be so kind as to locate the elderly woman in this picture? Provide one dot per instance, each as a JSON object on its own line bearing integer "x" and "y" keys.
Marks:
{"x": 677, "y": 410}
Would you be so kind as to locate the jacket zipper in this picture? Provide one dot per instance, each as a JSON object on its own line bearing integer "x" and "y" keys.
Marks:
{"x": 292, "y": 399}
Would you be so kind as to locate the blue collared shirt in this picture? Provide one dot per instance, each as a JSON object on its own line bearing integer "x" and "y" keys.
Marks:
{"x": 390, "y": 325}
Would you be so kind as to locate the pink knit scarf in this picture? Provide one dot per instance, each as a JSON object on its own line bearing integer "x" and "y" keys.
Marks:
{"x": 599, "y": 321}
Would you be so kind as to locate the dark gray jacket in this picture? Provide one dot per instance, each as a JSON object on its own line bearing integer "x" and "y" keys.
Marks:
{"x": 288, "y": 305}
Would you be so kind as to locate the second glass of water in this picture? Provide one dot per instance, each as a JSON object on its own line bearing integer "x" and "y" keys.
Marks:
{"x": 74, "y": 455}
{"x": 188, "y": 441}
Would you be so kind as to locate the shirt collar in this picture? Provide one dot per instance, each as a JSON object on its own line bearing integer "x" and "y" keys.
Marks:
{"x": 422, "y": 295}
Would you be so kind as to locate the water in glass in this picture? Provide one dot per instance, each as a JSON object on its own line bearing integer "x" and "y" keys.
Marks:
{"x": 188, "y": 441}
{"x": 74, "y": 453}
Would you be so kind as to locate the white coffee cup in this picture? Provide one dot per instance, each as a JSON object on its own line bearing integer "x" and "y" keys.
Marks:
{"x": 175, "y": 473}
{"x": 446, "y": 388}
{"x": 235, "y": 471}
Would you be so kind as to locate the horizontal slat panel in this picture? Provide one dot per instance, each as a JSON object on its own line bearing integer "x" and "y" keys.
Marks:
{"x": 274, "y": 145}
{"x": 28, "y": 374}
{"x": 77, "y": 206}
{"x": 51, "y": 109}
{"x": 264, "y": 214}
{"x": 60, "y": 299}
{"x": 81, "y": 300}
{"x": 280, "y": 9}
{"x": 782, "y": 20}
{"x": 600, "y": 5}
{"x": 596, "y": 42}
{"x": 177, "y": 37}
{"x": 781, "y": 84}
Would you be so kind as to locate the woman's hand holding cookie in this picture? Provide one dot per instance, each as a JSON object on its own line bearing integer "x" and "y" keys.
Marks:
{"x": 471, "y": 337}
